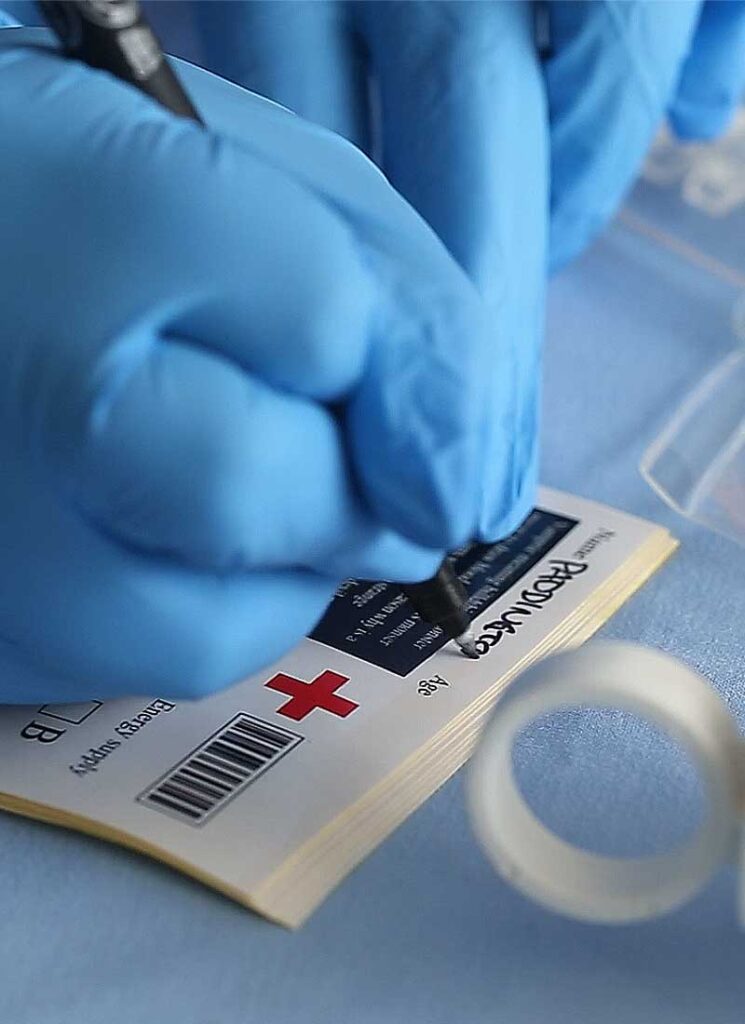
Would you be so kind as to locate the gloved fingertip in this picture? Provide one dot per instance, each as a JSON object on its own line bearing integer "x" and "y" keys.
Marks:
{"x": 499, "y": 523}
{"x": 570, "y": 233}
{"x": 437, "y": 509}
{"x": 420, "y": 564}
{"x": 385, "y": 556}
{"x": 442, "y": 515}
{"x": 694, "y": 121}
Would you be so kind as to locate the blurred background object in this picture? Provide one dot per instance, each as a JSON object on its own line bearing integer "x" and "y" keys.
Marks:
{"x": 697, "y": 462}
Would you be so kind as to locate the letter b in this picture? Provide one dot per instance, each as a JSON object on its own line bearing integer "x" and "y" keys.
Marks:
{"x": 43, "y": 733}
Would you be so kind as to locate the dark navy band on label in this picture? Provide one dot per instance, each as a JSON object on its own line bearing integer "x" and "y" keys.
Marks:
{"x": 375, "y": 621}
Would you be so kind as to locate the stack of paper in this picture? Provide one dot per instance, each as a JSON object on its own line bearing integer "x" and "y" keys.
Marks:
{"x": 275, "y": 789}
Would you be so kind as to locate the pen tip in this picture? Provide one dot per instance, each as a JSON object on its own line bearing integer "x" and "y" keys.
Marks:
{"x": 467, "y": 643}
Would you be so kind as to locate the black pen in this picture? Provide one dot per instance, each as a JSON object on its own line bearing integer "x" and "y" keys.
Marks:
{"x": 114, "y": 36}
{"x": 443, "y": 601}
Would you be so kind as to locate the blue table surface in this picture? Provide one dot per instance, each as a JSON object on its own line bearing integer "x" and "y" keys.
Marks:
{"x": 423, "y": 931}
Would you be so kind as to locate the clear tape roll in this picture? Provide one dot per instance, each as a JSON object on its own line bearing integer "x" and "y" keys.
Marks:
{"x": 566, "y": 878}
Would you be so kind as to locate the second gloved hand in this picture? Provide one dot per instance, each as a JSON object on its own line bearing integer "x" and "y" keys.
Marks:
{"x": 442, "y": 94}
{"x": 237, "y": 367}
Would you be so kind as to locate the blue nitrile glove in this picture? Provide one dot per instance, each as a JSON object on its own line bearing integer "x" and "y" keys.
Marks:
{"x": 616, "y": 69}
{"x": 458, "y": 125}
{"x": 236, "y": 367}
{"x": 433, "y": 91}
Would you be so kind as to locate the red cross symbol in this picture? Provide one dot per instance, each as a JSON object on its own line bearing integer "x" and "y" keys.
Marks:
{"x": 319, "y": 693}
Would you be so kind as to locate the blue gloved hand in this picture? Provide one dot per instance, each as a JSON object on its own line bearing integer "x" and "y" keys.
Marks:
{"x": 237, "y": 367}
{"x": 457, "y": 121}
{"x": 433, "y": 91}
{"x": 615, "y": 70}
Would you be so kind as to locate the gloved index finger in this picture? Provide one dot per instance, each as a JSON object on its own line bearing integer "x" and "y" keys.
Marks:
{"x": 464, "y": 140}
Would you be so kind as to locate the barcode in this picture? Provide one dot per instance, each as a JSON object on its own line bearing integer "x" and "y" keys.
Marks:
{"x": 233, "y": 757}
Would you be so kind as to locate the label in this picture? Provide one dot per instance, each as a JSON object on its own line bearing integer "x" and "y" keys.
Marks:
{"x": 376, "y": 623}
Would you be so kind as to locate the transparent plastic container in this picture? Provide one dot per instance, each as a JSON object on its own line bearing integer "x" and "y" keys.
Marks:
{"x": 710, "y": 174}
{"x": 697, "y": 464}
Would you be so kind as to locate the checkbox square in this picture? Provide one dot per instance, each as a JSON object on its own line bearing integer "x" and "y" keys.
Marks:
{"x": 73, "y": 714}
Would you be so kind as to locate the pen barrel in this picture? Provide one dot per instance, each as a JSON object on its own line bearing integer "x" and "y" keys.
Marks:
{"x": 114, "y": 36}
{"x": 442, "y": 600}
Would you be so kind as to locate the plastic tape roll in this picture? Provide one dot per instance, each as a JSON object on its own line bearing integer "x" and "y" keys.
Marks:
{"x": 563, "y": 877}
